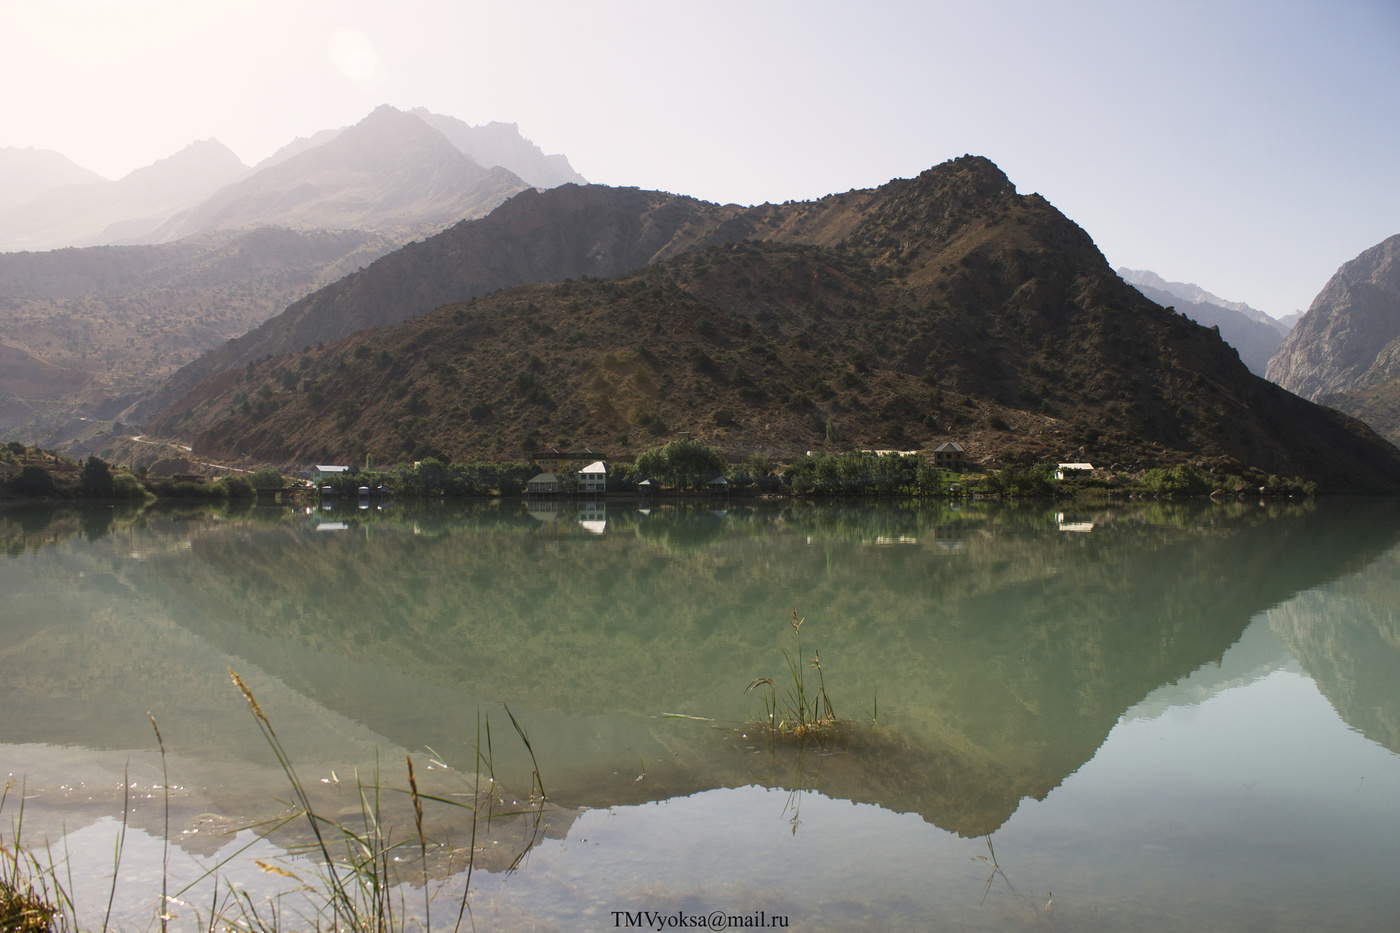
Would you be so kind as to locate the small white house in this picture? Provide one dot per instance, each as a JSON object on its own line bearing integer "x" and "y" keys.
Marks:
{"x": 1072, "y": 470}
{"x": 593, "y": 478}
{"x": 323, "y": 470}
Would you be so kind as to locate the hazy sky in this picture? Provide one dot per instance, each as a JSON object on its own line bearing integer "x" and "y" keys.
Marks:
{"x": 1251, "y": 147}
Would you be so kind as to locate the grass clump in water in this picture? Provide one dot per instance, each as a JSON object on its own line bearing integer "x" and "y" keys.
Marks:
{"x": 801, "y": 712}
{"x": 361, "y": 877}
{"x": 32, "y": 896}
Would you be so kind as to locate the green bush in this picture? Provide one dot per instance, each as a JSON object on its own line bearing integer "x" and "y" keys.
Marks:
{"x": 268, "y": 478}
{"x": 126, "y": 486}
{"x": 238, "y": 487}
{"x": 1181, "y": 480}
{"x": 1017, "y": 482}
{"x": 32, "y": 481}
{"x": 96, "y": 481}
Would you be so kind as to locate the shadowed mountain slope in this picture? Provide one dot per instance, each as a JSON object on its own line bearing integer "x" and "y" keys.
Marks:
{"x": 567, "y": 232}
{"x": 1256, "y": 341}
{"x": 943, "y": 307}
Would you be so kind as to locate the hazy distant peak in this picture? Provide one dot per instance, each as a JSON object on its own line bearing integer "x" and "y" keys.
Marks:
{"x": 298, "y": 146}
{"x": 501, "y": 144}
{"x": 203, "y": 154}
{"x": 1190, "y": 291}
{"x": 27, "y": 173}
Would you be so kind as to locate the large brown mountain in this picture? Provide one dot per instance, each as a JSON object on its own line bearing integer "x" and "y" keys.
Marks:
{"x": 941, "y": 307}
{"x": 548, "y": 236}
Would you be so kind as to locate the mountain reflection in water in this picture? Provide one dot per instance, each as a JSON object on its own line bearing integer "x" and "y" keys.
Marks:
{"x": 1000, "y": 649}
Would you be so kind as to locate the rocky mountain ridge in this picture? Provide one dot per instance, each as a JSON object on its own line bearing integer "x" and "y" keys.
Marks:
{"x": 1344, "y": 341}
{"x": 391, "y": 169}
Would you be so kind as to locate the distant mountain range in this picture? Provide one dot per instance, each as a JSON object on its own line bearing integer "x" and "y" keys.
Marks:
{"x": 1252, "y": 332}
{"x": 944, "y": 307}
{"x": 117, "y": 211}
{"x": 393, "y": 171}
{"x": 87, "y": 329}
{"x": 1193, "y": 293}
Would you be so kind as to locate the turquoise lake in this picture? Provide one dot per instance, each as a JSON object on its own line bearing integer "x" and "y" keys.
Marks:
{"x": 1146, "y": 716}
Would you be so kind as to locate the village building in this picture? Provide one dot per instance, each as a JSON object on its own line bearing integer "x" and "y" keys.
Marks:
{"x": 949, "y": 456}
{"x": 545, "y": 484}
{"x": 325, "y": 471}
{"x": 550, "y": 460}
{"x": 1072, "y": 470}
{"x": 583, "y": 455}
{"x": 593, "y": 477}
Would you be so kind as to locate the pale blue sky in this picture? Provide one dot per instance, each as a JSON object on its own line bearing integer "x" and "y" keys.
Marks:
{"x": 1249, "y": 147}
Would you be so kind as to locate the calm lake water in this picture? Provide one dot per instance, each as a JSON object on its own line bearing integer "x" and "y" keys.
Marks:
{"x": 1139, "y": 717}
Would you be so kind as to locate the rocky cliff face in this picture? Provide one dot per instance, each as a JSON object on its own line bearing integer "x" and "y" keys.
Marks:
{"x": 1347, "y": 328}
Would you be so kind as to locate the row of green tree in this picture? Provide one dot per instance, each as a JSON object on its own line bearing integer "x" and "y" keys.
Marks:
{"x": 683, "y": 464}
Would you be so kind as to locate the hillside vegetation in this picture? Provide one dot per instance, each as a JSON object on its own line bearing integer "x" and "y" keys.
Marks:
{"x": 944, "y": 307}
{"x": 86, "y": 329}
